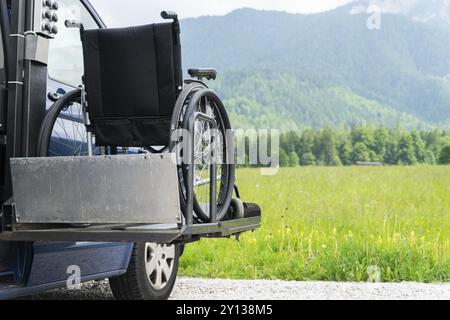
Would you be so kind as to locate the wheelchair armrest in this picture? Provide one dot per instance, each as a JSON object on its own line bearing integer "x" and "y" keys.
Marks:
{"x": 209, "y": 74}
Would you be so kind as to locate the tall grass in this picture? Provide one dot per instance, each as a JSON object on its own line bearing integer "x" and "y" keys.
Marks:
{"x": 340, "y": 224}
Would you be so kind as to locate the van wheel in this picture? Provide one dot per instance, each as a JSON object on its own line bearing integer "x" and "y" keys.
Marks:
{"x": 151, "y": 273}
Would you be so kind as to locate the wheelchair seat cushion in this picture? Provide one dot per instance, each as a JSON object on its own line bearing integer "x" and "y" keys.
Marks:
{"x": 131, "y": 83}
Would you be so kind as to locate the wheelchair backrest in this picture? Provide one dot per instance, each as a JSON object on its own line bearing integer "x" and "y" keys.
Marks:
{"x": 131, "y": 79}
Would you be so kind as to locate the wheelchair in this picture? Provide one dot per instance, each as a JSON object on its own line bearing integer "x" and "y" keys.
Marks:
{"x": 133, "y": 99}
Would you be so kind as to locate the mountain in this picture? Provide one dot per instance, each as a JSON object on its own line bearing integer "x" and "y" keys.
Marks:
{"x": 290, "y": 71}
{"x": 431, "y": 12}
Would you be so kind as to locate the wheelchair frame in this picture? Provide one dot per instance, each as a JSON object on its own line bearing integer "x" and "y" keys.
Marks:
{"x": 26, "y": 52}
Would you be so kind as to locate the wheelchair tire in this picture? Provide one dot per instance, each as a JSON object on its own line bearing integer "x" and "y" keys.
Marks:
{"x": 177, "y": 123}
{"x": 51, "y": 119}
{"x": 227, "y": 170}
{"x": 237, "y": 209}
{"x": 45, "y": 134}
{"x": 137, "y": 283}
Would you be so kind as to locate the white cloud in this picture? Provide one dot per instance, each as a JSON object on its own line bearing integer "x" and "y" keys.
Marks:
{"x": 115, "y": 13}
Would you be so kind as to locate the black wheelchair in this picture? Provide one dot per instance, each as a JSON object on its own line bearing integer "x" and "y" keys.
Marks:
{"x": 133, "y": 99}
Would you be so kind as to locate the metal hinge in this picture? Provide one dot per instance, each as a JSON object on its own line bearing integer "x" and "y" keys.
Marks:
{"x": 36, "y": 48}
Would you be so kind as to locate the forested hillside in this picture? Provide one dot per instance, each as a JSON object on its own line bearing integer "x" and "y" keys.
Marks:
{"x": 280, "y": 70}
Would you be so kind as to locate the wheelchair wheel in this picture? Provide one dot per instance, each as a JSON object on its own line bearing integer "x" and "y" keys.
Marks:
{"x": 63, "y": 132}
{"x": 197, "y": 98}
{"x": 177, "y": 123}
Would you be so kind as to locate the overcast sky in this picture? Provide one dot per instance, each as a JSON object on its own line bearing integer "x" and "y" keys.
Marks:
{"x": 129, "y": 12}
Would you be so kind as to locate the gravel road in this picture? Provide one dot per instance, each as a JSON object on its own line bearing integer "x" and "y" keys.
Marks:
{"x": 200, "y": 289}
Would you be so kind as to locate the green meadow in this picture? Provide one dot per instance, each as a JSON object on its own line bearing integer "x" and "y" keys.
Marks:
{"x": 337, "y": 224}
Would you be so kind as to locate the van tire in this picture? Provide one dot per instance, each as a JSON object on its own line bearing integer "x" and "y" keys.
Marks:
{"x": 135, "y": 284}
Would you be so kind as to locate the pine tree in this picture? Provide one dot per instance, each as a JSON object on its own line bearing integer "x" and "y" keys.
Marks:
{"x": 306, "y": 142}
{"x": 381, "y": 137}
{"x": 293, "y": 160}
{"x": 308, "y": 159}
{"x": 292, "y": 142}
{"x": 360, "y": 153}
{"x": 345, "y": 147}
{"x": 345, "y": 153}
{"x": 328, "y": 153}
{"x": 419, "y": 146}
{"x": 433, "y": 141}
{"x": 406, "y": 150}
{"x": 430, "y": 158}
{"x": 284, "y": 158}
{"x": 444, "y": 156}
{"x": 391, "y": 156}
{"x": 363, "y": 135}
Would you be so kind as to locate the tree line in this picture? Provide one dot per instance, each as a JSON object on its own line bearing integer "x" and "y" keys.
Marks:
{"x": 348, "y": 146}
{"x": 337, "y": 147}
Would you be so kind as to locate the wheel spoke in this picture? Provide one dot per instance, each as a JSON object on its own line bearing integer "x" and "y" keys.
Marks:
{"x": 69, "y": 136}
{"x": 150, "y": 258}
{"x": 151, "y": 266}
{"x": 202, "y": 155}
{"x": 166, "y": 269}
{"x": 170, "y": 252}
{"x": 158, "y": 279}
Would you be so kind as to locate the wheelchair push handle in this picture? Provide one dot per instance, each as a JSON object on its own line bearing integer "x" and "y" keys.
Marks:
{"x": 73, "y": 24}
{"x": 167, "y": 15}
{"x": 171, "y": 15}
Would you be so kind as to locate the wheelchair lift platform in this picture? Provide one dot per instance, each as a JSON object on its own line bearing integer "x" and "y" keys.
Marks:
{"x": 128, "y": 198}
{"x": 161, "y": 234}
